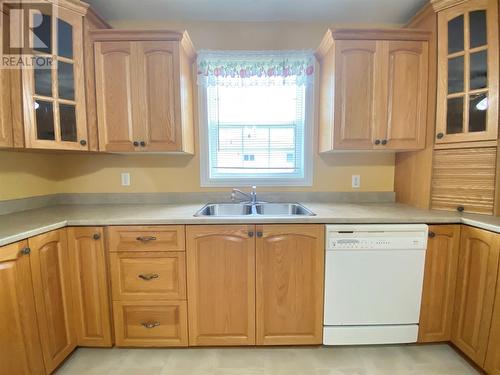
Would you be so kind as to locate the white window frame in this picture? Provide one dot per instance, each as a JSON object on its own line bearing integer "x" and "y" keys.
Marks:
{"x": 206, "y": 181}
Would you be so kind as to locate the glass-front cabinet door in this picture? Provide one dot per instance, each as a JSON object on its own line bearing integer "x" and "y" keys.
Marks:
{"x": 54, "y": 91}
{"x": 467, "y": 108}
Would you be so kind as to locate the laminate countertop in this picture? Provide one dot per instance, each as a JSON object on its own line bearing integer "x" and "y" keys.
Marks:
{"x": 21, "y": 225}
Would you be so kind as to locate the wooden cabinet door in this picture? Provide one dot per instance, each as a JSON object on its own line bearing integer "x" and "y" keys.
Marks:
{"x": 356, "y": 90}
{"x": 440, "y": 277}
{"x": 6, "y": 134}
{"x": 159, "y": 85}
{"x": 290, "y": 278}
{"x": 492, "y": 364}
{"x": 54, "y": 97}
{"x": 51, "y": 272}
{"x": 90, "y": 286}
{"x": 477, "y": 277}
{"x": 20, "y": 348}
{"x": 115, "y": 73}
{"x": 221, "y": 284}
{"x": 403, "y": 107}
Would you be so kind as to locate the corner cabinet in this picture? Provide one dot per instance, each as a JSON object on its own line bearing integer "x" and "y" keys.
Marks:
{"x": 467, "y": 100}
{"x": 20, "y": 349}
{"x": 54, "y": 93}
{"x": 373, "y": 89}
{"x": 144, "y": 90}
{"x": 475, "y": 294}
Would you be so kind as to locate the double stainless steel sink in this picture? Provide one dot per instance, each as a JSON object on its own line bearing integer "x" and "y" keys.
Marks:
{"x": 253, "y": 209}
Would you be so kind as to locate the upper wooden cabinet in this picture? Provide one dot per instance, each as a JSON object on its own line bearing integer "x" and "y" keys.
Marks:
{"x": 144, "y": 91}
{"x": 54, "y": 94}
{"x": 373, "y": 89}
{"x": 289, "y": 279}
{"x": 20, "y": 349}
{"x": 467, "y": 101}
{"x": 475, "y": 294}
{"x": 440, "y": 278}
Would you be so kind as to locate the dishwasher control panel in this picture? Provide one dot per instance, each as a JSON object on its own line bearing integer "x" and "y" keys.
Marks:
{"x": 376, "y": 237}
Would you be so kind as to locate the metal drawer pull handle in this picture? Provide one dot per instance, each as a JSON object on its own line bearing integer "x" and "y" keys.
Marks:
{"x": 150, "y": 325}
{"x": 149, "y": 277}
{"x": 146, "y": 238}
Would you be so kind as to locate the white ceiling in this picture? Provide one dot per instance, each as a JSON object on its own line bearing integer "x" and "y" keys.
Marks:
{"x": 334, "y": 11}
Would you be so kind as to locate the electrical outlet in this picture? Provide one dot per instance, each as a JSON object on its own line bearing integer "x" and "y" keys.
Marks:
{"x": 356, "y": 181}
{"x": 126, "y": 179}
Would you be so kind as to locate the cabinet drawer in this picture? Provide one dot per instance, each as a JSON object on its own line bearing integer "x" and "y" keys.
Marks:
{"x": 150, "y": 323}
{"x": 143, "y": 275}
{"x": 147, "y": 238}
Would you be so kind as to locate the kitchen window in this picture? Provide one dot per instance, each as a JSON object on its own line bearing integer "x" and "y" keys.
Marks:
{"x": 255, "y": 118}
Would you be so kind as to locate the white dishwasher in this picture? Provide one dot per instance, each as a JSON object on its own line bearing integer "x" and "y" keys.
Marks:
{"x": 373, "y": 283}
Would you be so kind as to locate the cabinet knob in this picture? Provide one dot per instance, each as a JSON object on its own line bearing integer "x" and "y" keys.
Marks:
{"x": 460, "y": 208}
{"x": 384, "y": 142}
{"x": 250, "y": 234}
{"x": 432, "y": 234}
{"x": 136, "y": 144}
{"x": 143, "y": 143}
{"x": 260, "y": 234}
{"x": 377, "y": 142}
{"x": 96, "y": 236}
{"x": 83, "y": 142}
{"x": 439, "y": 135}
{"x": 26, "y": 251}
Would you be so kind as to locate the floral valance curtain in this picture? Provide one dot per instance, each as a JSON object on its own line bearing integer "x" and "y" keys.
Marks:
{"x": 241, "y": 68}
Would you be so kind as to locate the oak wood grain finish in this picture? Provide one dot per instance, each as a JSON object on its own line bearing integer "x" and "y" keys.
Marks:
{"x": 444, "y": 16}
{"x": 20, "y": 348}
{"x": 413, "y": 170}
{"x": 89, "y": 279}
{"x": 150, "y": 323}
{"x": 492, "y": 364}
{"x": 153, "y": 82}
{"x": 290, "y": 278}
{"x": 51, "y": 274}
{"x": 146, "y": 238}
{"x": 440, "y": 278}
{"x": 404, "y": 98}
{"x": 466, "y": 178}
{"x": 221, "y": 284}
{"x": 32, "y": 139}
{"x": 148, "y": 275}
{"x": 6, "y": 130}
{"x": 475, "y": 294}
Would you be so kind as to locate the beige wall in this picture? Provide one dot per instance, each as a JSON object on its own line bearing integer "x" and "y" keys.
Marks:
{"x": 29, "y": 174}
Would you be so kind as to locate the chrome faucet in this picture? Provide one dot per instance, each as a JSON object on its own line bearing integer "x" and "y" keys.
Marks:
{"x": 252, "y": 196}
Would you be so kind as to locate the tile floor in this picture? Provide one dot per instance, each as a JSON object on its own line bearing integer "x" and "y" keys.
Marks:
{"x": 377, "y": 360}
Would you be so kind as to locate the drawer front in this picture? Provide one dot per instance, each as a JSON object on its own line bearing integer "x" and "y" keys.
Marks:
{"x": 146, "y": 238}
{"x": 151, "y": 323}
{"x": 143, "y": 276}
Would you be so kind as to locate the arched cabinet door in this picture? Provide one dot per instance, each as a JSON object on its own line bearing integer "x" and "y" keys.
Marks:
{"x": 404, "y": 104}
{"x": 115, "y": 95}
{"x": 355, "y": 98}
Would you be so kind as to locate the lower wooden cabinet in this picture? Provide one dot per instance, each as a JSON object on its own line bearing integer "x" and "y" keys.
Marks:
{"x": 51, "y": 274}
{"x": 150, "y": 323}
{"x": 20, "y": 349}
{"x": 492, "y": 364}
{"x": 90, "y": 286}
{"x": 440, "y": 277}
{"x": 290, "y": 278}
{"x": 221, "y": 284}
{"x": 475, "y": 295}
